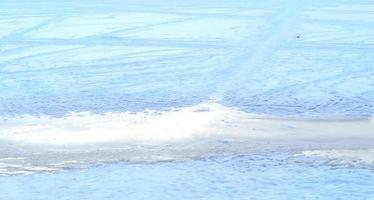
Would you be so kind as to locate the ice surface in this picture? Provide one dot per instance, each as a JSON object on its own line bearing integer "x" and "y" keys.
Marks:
{"x": 344, "y": 157}
{"x": 234, "y": 177}
{"x": 253, "y": 98}
{"x": 303, "y": 59}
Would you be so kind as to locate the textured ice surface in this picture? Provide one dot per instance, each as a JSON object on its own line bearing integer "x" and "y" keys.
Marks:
{"x": 347, "y": 157}
{"x": 285, "y": 58}
{"x": 72, "y": 68}
{"x": 233, "y": 177}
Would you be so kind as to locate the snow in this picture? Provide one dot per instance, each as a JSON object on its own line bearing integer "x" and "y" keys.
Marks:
{"x": 242, "y": 54}
{"x": 295, "y": 72}
{"x": 178, "y": 125}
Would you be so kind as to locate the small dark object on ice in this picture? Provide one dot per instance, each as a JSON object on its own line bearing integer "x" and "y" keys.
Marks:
{"x": 298, "y": 37}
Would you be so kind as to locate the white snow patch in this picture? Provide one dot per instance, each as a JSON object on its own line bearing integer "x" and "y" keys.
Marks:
{"x": 199, "y": 121}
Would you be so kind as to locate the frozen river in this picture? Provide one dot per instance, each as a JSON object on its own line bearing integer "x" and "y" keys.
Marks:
{"x": 125, "y": 99}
